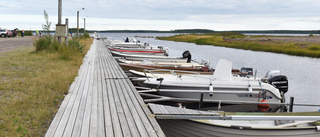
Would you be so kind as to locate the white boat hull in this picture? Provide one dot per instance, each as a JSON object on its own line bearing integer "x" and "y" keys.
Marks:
{"x": 222, "y": 85}
{"x": 193, "y": 86}
{"x": 222, "y": 95}
{"x": 194, "y": 128}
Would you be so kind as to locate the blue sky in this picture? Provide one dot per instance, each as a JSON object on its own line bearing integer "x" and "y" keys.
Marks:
{"x": 166, "y": 14}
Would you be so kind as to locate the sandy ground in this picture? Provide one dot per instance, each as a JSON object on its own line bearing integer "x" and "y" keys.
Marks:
{"x": 11, "y": 44}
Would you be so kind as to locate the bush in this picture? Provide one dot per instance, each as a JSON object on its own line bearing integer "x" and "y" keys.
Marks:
{"x": 28, "y": 33}
{"x": 75, "y": 45}
{"x": 54, "y": 46}
{"x": 46, "y": 43}
{"x": 314, "y": 47}
{"x": 42, "y": 43}
{"x": 85, "y": 36}
{"x": 230, "y": 34}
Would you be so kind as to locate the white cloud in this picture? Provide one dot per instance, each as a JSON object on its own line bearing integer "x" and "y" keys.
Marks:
{"x": 169, "y": 14}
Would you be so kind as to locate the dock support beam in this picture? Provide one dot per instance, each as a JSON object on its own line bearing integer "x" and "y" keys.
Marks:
{"x": 291, "y": 104}
{"x": 201, "y": 101}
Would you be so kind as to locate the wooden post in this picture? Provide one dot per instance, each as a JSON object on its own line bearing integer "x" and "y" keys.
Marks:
{"x": 84, "y": 25}
{"x": 201, "y": 101}
{"x": 291, "y": 104}
{"x": 59, "y": 15}
{"x": 67, "y": 39}
{"x": 78, "y": 24}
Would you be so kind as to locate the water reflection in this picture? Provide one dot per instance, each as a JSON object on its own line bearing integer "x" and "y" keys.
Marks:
{"x": 301, "y": 71}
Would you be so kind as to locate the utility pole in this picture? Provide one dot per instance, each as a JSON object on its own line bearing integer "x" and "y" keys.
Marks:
{"x": 78, "y": 22}
{"x": 67, "y": 24}
{"x": 59, "y": 16}
{"x": 84, "y": 25}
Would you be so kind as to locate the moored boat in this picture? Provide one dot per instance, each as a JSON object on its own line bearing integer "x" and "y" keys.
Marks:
{"x": 186, "y": 56}
{"x": 243, "y": 128}
{"x": 154, "y": 51}
{"x": 195, "y": 67}
{"x": 222, "y": 85}
{"x": 180, "y": 121}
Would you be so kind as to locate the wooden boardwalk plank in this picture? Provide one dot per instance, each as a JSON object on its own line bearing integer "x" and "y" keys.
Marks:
{"x": 106, "y": 106}
{"x": 103, "y": 102}
{"x": 152, "y": 131}
{"x": 154, "y": 108}
{"x": 159, "y": 109}
{"x": 74, "y": 115}
{"x": 114, "y": 114}
{"x": 137, "y": 128}
{"x": 126, "y": 113}
{"x": 118, "y": 107}
{"x": 173, "y": 110}
{"x": 71, "y": 107}
{"x": 125, "y": 102}
{"x": 94, "y": 104}
{"x": 82, "y": 105}
{"x": 136, "y": 105}
{"x": 58, "y": 124}
{"x": 101, "y": 131}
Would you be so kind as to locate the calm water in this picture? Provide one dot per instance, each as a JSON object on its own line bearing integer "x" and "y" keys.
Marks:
{"x": 302, "y": 72}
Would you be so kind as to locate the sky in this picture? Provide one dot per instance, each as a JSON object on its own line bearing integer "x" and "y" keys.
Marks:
{"x": 220, "y": 15}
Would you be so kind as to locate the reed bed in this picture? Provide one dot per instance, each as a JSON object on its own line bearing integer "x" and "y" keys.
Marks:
{"x": 240, "y": 41}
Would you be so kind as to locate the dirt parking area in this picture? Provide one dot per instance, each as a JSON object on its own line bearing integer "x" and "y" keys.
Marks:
{"x": 11, "y": 44}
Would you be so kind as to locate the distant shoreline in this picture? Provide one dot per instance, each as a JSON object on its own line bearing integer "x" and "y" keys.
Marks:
{"x": 200, "y": 31}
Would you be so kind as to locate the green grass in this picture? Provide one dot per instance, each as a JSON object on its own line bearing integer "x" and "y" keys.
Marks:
{"x": 234, "y": 40}
{"x": 32, "y": 86}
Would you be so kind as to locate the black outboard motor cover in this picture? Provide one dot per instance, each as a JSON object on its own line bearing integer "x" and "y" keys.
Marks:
{"x": 127, "y": 40}
{"x": 187, "y": 54}
{"x": 280, "y": 82}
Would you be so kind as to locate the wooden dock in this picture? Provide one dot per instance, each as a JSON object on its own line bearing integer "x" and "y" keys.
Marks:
{"x": 103, "y": 102}
{"x": 169, "y": 112}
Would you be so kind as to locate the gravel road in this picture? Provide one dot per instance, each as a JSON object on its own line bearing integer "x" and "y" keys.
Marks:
{"x": 10, "y": 44}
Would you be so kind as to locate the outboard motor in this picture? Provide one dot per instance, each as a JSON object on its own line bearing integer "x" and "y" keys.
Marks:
{"x": 278, "y": 81}
{"x": 187, "y": 54}
{"x": 205, "y": 62}
{"x": 167, "y": 51}
{"x": 127, "y": 40}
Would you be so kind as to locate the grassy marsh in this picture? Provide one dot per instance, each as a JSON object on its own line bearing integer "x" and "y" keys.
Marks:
{"x": 256, "y": 43}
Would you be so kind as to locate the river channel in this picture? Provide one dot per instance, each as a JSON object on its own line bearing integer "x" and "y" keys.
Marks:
{"x": 302, "y": 72}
